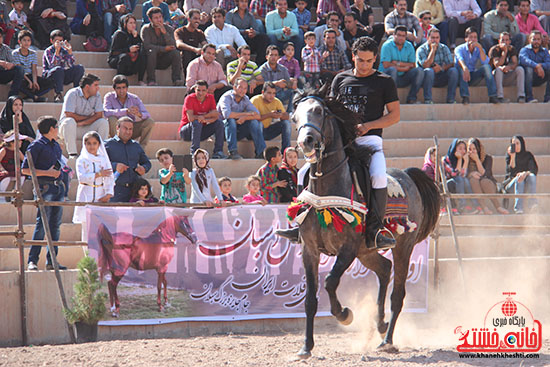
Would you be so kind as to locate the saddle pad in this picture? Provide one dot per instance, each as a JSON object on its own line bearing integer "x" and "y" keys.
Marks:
{"x": 394, "y": 188}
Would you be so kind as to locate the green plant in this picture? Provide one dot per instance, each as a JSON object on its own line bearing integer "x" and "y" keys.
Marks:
{"x": 88, "y": 303}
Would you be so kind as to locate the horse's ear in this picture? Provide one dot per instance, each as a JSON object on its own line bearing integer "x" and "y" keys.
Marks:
{"x": 323, "y": 91}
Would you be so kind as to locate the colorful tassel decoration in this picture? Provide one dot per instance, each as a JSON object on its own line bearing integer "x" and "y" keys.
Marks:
{"x": 321, "y": 219}
{"x": 327, "y": 216}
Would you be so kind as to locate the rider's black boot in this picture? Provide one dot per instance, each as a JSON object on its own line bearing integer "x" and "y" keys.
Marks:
{"x": 374, "y": 225}
{"x": 293, "y": 234}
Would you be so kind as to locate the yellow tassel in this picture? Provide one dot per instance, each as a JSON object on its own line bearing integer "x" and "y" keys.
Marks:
{"x": 327, "y": 216}
{"x": 357, "y": 216}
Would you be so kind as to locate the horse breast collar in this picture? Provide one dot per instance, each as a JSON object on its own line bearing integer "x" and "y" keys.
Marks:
{"x": 320, "y": 202}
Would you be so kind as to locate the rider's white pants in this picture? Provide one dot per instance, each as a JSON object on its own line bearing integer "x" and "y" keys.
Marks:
{"x": 377, "y": 168}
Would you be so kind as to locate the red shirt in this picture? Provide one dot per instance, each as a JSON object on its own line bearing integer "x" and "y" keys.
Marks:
{"x": 199, "y": 108}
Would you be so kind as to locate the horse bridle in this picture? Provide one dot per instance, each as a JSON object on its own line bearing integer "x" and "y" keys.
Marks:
{"x": 320, "y": 146}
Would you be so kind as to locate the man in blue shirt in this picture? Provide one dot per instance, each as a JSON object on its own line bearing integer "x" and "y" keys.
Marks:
{"x": 536, "y": 62}
{"x": 397, "y": 59}
{"x": 46, "y": 156}
{"x": 436, "y": 60}
{"x": 128, "y": 159}
{"x": 241, "y": 119}
{"x": 467, "y": 55}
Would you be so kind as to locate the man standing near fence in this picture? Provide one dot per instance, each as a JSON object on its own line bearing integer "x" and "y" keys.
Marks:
{"x": 46, "y": 156}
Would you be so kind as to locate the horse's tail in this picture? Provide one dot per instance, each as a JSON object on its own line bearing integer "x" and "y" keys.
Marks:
{"x": 429, "y": 194}
{"x": 106, "y": 246}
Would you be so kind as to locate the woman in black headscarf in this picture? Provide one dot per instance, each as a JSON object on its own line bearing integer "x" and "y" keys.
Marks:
{"x": 126, "y": 54}
{"x": 521, "y": 173}
{"x": 14, "y": 106}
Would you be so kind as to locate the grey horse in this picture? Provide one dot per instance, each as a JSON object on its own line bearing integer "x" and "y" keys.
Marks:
{"x": 326, "y": 128}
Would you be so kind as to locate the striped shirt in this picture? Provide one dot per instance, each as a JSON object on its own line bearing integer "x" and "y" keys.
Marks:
{"x": 250, "y": 71}
{"x": 5, "y": 53}
{"x": 312, "y": 60}
{"x": 25, "y": 61}
{"x": 261, "y": 7}
{"x": 268, "y": 176}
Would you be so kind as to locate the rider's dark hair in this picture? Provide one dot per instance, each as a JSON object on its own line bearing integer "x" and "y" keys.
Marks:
{"x": 365, "y": 43}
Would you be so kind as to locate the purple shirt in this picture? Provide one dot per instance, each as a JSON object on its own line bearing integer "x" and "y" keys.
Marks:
{"x": 292, "y": 65}
{"x": 113, "y": 107}
{"x": 51, "y": 60}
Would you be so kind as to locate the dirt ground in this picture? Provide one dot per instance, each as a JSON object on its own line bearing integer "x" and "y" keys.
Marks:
{"x": 277, "y": 349}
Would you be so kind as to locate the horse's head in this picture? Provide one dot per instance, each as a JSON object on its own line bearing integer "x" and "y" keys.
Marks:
{"x": 184, "y": 227}
{"x": 314, "y": 134}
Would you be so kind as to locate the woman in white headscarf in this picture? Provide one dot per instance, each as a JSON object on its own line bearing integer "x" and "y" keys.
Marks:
{"x": 95, "y": 176}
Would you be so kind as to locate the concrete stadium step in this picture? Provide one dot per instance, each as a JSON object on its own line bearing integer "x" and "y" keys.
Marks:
{"x": 106, "y": 75}
{"x": 69, "y": 232}
{"x": 149, "y": 95}
{"x": 467, "y": 128}
{"x": 474, "y": 111}
{"x": 478, "y": 94}
{"x": 67, "y": 256}
{"x": 481, "y": 245}
{"x": 85, "y": 58}
{"x": 493, "y": 146}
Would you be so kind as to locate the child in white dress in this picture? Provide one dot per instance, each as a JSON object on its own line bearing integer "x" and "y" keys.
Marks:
{"x": 95, "y": 176}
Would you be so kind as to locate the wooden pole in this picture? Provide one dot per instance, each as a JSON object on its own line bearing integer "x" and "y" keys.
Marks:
{"x": 53, "y": 256}
{"x": 452, "y": 223}
{"x": 20, "y": 234}
{"x": 436, "y": 232}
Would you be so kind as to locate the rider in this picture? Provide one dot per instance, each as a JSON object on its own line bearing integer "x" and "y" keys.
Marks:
{"x": 367, "y": 91}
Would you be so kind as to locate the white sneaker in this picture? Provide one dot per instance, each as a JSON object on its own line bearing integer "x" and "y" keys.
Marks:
{"x": 534, "y": 100}
{"x": 32, "y": 266}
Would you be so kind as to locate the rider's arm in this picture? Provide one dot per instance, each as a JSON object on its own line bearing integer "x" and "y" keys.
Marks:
{"x": 389, "y": 119}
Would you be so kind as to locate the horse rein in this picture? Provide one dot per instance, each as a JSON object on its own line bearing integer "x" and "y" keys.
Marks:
{"x": 320, "y": 146}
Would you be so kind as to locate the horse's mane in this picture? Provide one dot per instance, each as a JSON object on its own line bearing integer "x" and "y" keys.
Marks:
{"x": 347, "y": 121}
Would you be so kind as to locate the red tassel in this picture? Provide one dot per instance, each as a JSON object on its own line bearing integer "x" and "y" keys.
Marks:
{"x": 337, "y": 222}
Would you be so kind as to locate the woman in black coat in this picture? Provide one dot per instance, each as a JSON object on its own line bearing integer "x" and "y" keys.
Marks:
{"x": 521, "y": 173}
{"x": 127, "y": 55}
{"x": 46, "y": 16}
{"x": 14, "y": 106}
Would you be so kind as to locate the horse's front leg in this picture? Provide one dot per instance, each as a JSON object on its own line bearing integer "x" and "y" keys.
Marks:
{"x": 113, "y": 295}
{"x": 159, "y": 289}
{"x": 345, "y": 257}
{"x": 311, "y": 266}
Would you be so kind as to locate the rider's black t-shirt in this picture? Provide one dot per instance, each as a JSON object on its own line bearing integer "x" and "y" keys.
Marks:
{"x": 367, "y": 96}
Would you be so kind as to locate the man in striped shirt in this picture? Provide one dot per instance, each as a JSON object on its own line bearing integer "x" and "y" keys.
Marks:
{"x": 246, "y": 69}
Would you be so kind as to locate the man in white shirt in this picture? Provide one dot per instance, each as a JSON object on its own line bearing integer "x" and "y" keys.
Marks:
{"x": 462, "y": 14}
{"x": 224, "y": 37}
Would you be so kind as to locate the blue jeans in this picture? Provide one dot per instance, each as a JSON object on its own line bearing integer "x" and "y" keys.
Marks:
{"x": 449, "y": 78}
{"x": 65, "y": 76}
{"x": 50, "y": 192}
{"x": 532, "y": 79}
{"x": 443, "y": 31}
{"x": 15, "y": 76}
{"x": 261, "y": 27}
{"x": 527, "y": 186}
{"x": 413, "y": 77}
{"x": 461, "y": 185}
{"x": 484, "y": 72}
{"x": 286, "y": 96}
{"x": 279, "y": 128}
{"x": 109, "y": 26}
{"x": 196, "y": 132}
{"x": 251, "y": 129}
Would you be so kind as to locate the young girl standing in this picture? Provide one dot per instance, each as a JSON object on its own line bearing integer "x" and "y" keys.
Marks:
{"x": 203, "y": 179}
{"x": 142, "y": 193}
{"x": 95, "y": 176}
{"x": 289, "y": 173}
{"x": 7, "y": 161}
{"x": 253, "y": 187}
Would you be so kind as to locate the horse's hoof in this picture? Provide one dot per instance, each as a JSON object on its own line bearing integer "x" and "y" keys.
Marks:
{"x": 304, "y": 353}
{"x": 114, "y": 314}
{"x": 387, "y": 347}
{"x": 382, "y": 329}
{"x": 346, "y": 317}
